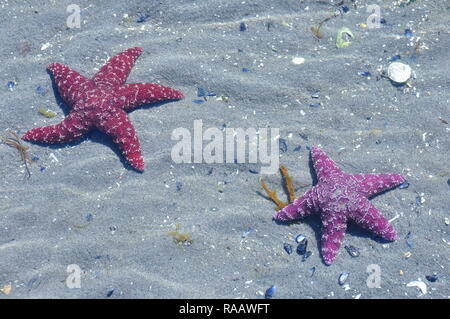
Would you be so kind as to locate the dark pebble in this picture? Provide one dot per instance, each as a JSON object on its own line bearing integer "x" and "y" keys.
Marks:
{"x": 242, "y": 27}
{"x": 109, "y": 294}
{"x": 314, "y": 104}
{"x": 298, "y": 148}
{"x": 432, "y": 278}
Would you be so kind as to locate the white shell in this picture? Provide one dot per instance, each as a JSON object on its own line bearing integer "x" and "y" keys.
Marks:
{"x": 298, "y": 60}
{"x": 399, "y": 72}
{"x": 419, "y": 284}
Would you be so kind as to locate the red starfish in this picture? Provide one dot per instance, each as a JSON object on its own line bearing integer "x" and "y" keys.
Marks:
{"x": 339, "y": 197}
{"x": 101, "y": 103}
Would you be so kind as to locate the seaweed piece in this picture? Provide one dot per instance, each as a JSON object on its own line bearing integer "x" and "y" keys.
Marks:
{"x": 288, "y": 182}
{"x": 316, "y": 29}
{"x": 180, "y": 238}
{"x": 47, "y": 113}
{"x": 287, "y": 179}
{"x": 273, "y": 196}
{"x": 15, "y": 142}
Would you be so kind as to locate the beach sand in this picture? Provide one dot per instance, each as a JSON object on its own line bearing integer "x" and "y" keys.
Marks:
{"x": 83, "y": 205}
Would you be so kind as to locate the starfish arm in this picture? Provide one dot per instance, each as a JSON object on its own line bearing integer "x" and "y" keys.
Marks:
{"x": 70, "y": 83}
{"x": 370, "y": 218}
{"x": 68, "y": 130}
{"x": 301, "y": 207}
{"x": 132, "y": 95}
{"x": 333, "y": 231}
{"x": 371, "y": 184}
{"x": 117, "y": 125}
{"x": 324, "y": 166}
{"x": 117, "y": 69}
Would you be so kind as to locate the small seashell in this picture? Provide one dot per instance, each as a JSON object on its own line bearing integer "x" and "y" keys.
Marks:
{"x": 200, "y": 92}
{"x": 298, "y": 60}
{"x": 283, "y": 145}
{"x": 314, "y": 104}
{"x": 301, "y": 248}
{"x": 300, "y": 238}
{"x": 247, "y": 232}
{"x": 404, "y": 185}
{"x": 408, "y": 33}
{"x": 395, "y": 58}
{"x": 315, "y": 95}
{"x": 10, "y": 85}
{"x": 342, "y": 278}
{"x": 409, "y": 240}
{"x": 399, "y": 72}
{"x": 270, "y": 292}
{"x": 288, "y": 248}
{"x": 307, "y": 255}
{"x": 353, "y": 251}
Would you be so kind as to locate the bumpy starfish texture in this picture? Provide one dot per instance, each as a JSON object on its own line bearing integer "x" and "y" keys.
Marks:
{"x": 102, "y": 103}
{"x": 339, "y": 197}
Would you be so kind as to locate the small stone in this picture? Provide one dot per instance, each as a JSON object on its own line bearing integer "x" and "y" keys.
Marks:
{"x": 432, "y": 278}
{"x": 399, "y": 72}
{"x": 242, "y": 27}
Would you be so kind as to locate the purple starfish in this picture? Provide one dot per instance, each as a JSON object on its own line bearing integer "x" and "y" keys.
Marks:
{"x": 338, "y": 197}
